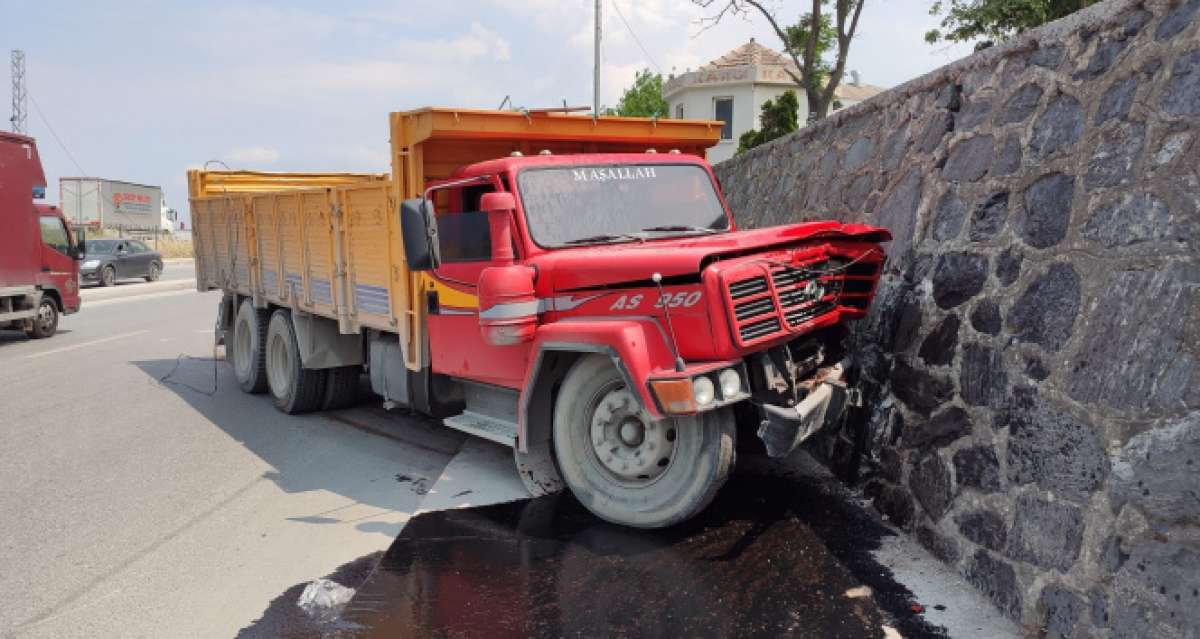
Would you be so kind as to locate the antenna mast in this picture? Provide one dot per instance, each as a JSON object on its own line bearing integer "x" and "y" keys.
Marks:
{"x": 596, "y": 69}
{"x": 19, "y": 112}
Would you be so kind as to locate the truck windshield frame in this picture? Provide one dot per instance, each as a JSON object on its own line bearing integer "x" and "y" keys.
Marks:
{"x": 581, "y": 204}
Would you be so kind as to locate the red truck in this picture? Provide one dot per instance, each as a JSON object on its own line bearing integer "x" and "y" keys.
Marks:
{"x": 573, "y": 288}
{"x": 39, "y": 255}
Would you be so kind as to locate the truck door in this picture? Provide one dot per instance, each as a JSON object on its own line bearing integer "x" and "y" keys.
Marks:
{"x": 456, "y": 344}
{"x": 58, "y": 266}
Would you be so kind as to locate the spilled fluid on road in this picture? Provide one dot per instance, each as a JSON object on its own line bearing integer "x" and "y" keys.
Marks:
{"x": 772, "y": 556}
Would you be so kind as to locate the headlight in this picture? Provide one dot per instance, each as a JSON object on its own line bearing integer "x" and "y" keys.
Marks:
{"x": 703, "y": 391}
{"x": 90, "y": 264}
{"x": 731, "y": 383}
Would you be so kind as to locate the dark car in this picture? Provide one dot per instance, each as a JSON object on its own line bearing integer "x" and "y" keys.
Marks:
{"x": 106, "y": 261}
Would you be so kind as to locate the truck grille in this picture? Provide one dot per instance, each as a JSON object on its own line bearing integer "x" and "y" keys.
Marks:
{"x": 795, "y": 295}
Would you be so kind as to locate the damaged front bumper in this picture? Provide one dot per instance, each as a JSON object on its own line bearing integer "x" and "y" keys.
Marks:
{"x": 783, "y": 428}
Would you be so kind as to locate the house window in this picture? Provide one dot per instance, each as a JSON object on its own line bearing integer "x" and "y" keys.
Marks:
{"x": 679, "y": 111}
{"x": 723, "y": 111}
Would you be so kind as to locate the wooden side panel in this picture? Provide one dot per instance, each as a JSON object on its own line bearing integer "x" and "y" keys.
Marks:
{"x": 317, "y": 226}
{"x": 241, "y": 230}
{"x": 370, "y": 286}
{"x": 267, "y": 244}
{"x": 291, "y": 247}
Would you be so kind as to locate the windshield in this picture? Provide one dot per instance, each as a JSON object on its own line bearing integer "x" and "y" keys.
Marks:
{"x": 598, "y": 203}
{"x": 100, "y": 246}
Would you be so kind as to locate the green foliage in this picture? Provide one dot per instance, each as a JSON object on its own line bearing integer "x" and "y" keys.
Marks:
{"x": 992, "y": 21}
{"x": 779, "y": 117}
{"x": 797, "y": 41}
{"x": 644, "y": 98}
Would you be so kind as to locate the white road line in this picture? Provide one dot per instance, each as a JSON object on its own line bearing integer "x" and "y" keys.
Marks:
{"x": 85, "y": 344}
{"x": 133, "y": 298}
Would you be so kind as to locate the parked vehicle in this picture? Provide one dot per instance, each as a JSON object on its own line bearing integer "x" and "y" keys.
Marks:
{"x": 108, "y": 260}
{"x": 100, "y": 204}
{"x": 549, "y": 282}
{"x": 39, "y": 270}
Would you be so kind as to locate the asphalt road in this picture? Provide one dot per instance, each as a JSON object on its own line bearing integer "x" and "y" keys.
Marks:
{"x": 139, "y": 497}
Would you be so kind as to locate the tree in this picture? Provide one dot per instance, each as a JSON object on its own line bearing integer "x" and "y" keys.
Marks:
{"x": 644, "y": 98}
{"x": 807, "y": 42}
{"x": 779, "y": 117}
{"x": 992, "y": 21}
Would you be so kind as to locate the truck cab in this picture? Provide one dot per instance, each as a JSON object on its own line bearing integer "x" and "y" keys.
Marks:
{"x": 39, "y": 252}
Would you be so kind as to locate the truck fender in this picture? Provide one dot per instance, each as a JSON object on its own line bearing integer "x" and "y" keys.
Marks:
{"x": 322, "y": 345}
{"x": 637, "y": 346}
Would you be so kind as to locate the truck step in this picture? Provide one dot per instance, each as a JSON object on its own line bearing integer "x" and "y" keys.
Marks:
{"x": 498, "y": 430}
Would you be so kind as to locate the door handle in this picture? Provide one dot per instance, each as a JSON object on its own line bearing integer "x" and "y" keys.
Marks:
{"x": 45, "y": 269}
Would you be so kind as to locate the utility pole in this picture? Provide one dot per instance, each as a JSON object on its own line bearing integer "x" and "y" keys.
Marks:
{"x": 596, "y": 69}
{"x": 19, "y": 112}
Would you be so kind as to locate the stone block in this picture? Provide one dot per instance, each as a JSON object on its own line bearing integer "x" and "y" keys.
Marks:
{"x": 1159, "y": 472}
{"x": 1009, "y": 158}
{"x": 1048, "y": 57}
{"x": 978, "y": 468}
{"x": 969, "y": 159}
{"x": 1053, "y": 448}
{"x": 1113, "y": 162}
{"x": 940, "y": 430}
{"x": 997, "y": 579}
{"x": 988, "y": 218}
{"x": 985, "y": 318}
{"x": 1057, "y": 129}
{"x": 1047, "y": 211}
{"x": 1133, "y": 356}
{"x": 1182, "y": 93}
{"x": 1061, "y": 611}
{"x": 1008, "y": 265}
{"x": 1020, "y": 106}
{"x": 938, "y": 347}
{"x": 1047, "y": 534}
{"x": 957, "y": 277}
{"x": 1156, "y": 594}
{"x": 1128, "y": 219}
{"x": 1116, "y": 100}
{"x": 1177, "y": 20}
{"x": 948, "y": 217}
{"x": 898, "y": 212}
{"x": 935, "y": 129}
{"x": 858, "y": 154}
{"x": 920, "y": 390}
{"x": 931, "y": 484}
{"x": 983, "y": 380}
{"x": 894, "y": 502}
{"x": 1045, "y": 312}
{"x": 1107, "y": 52}
{"x": 984, "y": 527}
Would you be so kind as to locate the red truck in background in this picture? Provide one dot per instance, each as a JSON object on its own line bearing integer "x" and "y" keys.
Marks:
{"x": 39, "y": 255}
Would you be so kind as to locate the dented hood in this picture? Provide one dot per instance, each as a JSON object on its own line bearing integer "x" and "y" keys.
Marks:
{"x": 602, "y": 265}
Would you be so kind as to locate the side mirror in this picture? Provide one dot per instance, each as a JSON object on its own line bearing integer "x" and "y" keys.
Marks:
{"x": 418, "y": 226}
{"x": 497, "y": 202}
{"x": 80, "y": 244}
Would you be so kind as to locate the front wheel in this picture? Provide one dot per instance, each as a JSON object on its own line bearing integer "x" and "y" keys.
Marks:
{"x": 154, "y": 273}
{"x": 108, "y": 276}
{"x": 627, "y": 468}
{"x": 45, "y": 323}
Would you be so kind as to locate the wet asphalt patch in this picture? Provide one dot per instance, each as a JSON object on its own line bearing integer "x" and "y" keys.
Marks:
{"x": 776, "y": 554}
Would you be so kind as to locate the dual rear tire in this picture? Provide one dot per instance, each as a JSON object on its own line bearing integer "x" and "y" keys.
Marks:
{"x": 266, "y": 358}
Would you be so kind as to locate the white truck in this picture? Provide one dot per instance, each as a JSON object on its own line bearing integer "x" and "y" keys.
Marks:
{"x": 101, "y": 204}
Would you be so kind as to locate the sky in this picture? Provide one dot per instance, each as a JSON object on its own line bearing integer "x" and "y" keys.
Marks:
{"x": 141, "y": 91}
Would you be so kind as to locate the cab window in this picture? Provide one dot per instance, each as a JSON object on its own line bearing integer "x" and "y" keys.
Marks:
{"x": 463, "y": 230}
{"x": 54, "y": 234}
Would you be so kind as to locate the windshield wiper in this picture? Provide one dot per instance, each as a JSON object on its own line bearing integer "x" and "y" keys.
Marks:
{"x": 595, "y": 239}
{"x": 681, "y": 227}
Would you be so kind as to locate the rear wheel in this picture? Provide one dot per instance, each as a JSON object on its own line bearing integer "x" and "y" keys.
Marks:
{"x": 294, "y": 389}
{"x": 341, "y": 387}
{"x": 45, "y": 323}
{"x": 154, "y": 273}
{"x": 108, "y": 276}
{"x": 627, "y": 468}
{"x": 248, "y": 348}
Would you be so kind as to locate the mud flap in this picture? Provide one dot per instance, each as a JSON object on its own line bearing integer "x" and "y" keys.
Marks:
{"x": 786, "y": 427}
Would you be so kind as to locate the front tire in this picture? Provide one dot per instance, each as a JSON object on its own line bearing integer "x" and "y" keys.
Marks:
{"x": 627, "y": 468}
{"x": 45, "y": 323}
{"x": 248, "y": 348}
{"x": 294, "y": 389}
{"x": 154, "y": 273}
{"x": 108, "y": 276}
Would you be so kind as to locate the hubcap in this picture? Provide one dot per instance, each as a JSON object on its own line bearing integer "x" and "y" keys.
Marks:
{"x": 628, "y": 444}
{"x": 45, "y": 316}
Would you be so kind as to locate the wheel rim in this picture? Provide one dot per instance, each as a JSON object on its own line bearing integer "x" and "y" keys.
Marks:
{"x": 45, "y": 316}
{"x": 242, "y": 349}
{"x": 627, "y": 445}
{"x": 153, "y": 271}
{"x": 108, "y": 276}
{"x": 279, "y": 365}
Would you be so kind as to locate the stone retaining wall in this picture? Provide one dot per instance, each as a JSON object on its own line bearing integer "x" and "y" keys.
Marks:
{"x": 1032, "y": 355}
